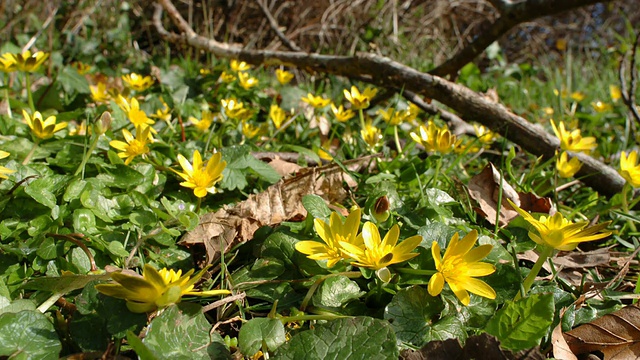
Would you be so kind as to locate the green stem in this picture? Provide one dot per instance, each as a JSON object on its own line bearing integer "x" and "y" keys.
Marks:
{"x": 87, "y": 155}
{"x": 362, "y": 123}
{"x": 434, "y": 179}
{"x": 198, "y": 205}
{"x": 397, "y": 139}
{"x": 6, "y": 96}
{"x": 30, "y": 154}
{"x": 545, "y": 253}
{"x": 29, "y": 95}
{"x": 416, "y": 271}
{"x": 625, "y": 204}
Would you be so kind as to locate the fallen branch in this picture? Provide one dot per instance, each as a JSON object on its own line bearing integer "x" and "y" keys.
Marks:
{"x": 385, "y": 72}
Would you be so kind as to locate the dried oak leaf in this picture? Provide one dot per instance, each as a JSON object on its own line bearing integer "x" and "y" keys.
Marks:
{"x": 478, "y": 347}
{"x": 232, "y": 225}
{"x": 484, "y": 188}
{"x": 616, "y": 335}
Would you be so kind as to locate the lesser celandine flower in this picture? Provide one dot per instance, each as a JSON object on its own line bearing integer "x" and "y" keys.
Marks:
{"x": 81, "y": 67}
{"x": 7, "y": 63}
{"x": 341, "y": 114}
{"x": 283, "y": 76}
{"x": 392, "y": 116}
{"x": 484, "y": 135}
{"x": 137, "y": 82}
{"x": 332, "y": 234}
{"x": 573, "y": 141}
{"x": 29, "y": 62}
{"x": 577, "y": 96}
{"x": 599, "y": 106}
{"x": 559, "y": 233}
{"x": 134, "y": 113}
{"x": 460, "y": 266}
{"x": 369, "y": 251}
{"x": 43, "y": 129}
{"x": 239, "y": 65}
{"x": 99, "y": 92}
{"x": 360, "y": 100}
{"x": 250, "y": 131}
{"x": 133, "y": 146}
{"x": 548, "y": 111}
{"x": 202, "y": 179}
{"x": 317, "y": 102}
{"x": 246, "y": 80}
{"x": 204, "y": 123}
{"x": 371, "y": 135}
{"x": 615, "y": 93}
{"x": 567, "y": 168}
{"x": 629, "y": 168}
{"x": 277, "y": 115}
{"x": 3, "y": 170}
{"x": 226, "y": 77}
{"x": 163, "y": 114}
{"x": 154, "y": 289}
{"x": 235, "y": 109}
{"x": 435, "y": 139}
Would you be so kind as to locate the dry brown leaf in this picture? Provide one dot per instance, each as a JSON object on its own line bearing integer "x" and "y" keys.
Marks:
{"x": 616, "y": 335}
{"x": 282, "y": 201}
{"x": 284, "y": 168}
{"x": 561, "y": 350}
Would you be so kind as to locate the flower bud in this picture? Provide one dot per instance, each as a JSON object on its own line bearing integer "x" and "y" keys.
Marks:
{"x": 103, "y": 124}
{"x": 380, "y": 210}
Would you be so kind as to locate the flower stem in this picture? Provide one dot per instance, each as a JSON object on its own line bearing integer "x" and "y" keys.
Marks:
{"x": 87, "y": 155}
{"x": 30, "y": 154}
{"x": 29, "y": 95}
{"x": 625, "y": 204}
{"x": 198, "y": 205}
{"x": 545, "y": 253}
{"x": 397, "y": 139}
{"x": 362, "y": 123}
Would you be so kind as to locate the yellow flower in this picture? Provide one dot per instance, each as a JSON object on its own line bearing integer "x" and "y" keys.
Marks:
{"x": 202, "y": 179}
{"x": 567, "y": 168}
{"x": 599, "y": 106}
{"x": 154, "y": 289}
{"x": 137, "y": 82}
{"x": 436, "y": 139}
{"x": 205, "y": 123}
{"x": 81, "y": 67}
{"x": 332, "y": 234}
{"x": 559, "y": 233}
{"x": 246, "y": 81}
{"x": 573, "y": 141}
{"x": 371, "y": 135}
{"x": 392, "y": 116}
{"x": 133, "y": 146}
{"x": 629, "y": 168}
{"x": 317, "y": 102}
{"x": 548, "y": 111}
{"x": 163, "y": 114}
{"x": 250, "y": 131}
{"x": 341, "y": 114}
{"x": 7, "y": 63}
{"x": 205, "y": 72}
{"x": 370, "y": 252}
{"x": 3, "y": 170}
{"x": 283, "y": 76}
{"x": 485, "y": 136}
{"x": 134, "y": 113}
{"x": 99, "y": 92}
{"x": 324, "y": 155}
{"x": 29, "y": 62}
{"x": 235, "y": 109}
{"x": 561, "y": 44}
{"x": 239, "y": 66}
{"x": 277, "y": 115}
{"x": 43, "y": 129}
{"x": 577, "y": 96}
{"x": 615, "y": 93}
{"x": 227, "y": 78}
{"x": 412, "y": 112}
{"x": 360, "y": 100}
{"x": 459, "y": 266}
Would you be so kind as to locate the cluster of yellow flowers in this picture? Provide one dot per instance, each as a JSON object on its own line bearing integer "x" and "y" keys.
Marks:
{"x": 436, "y": 139}
{"x": 459, "y": 266}
{"x": 571, "y": 141}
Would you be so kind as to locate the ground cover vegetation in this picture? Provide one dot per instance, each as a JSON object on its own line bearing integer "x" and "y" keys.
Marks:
{"x": 159, "y": 205}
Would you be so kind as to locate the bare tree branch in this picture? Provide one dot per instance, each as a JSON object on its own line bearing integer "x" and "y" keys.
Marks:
{"x": 629, "y": 94}
{"x": 511, "y": 14}
{"x": 385, "y": 72}
{"x": 276, "y": 28}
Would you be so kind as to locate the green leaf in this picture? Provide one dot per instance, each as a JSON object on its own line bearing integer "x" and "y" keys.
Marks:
{"x": 72, "y": 82}
{"x": 353, "y": 338}
{"x": 336, "y": 291}
{"x": 316, "y": 206}
{"x": 143, "y": 352}
{"x": 84, "y": 221}
{"x": 182, "y": 332}
{"x": 28, "y": 335}
{"x": 255, "y": 332}
{"x": 521, "y": 324}
{"x": 43, "y": 189}
{"x": 8, "y": 306}
{"x": 122, "y": 176}
{"x": 415, "y": 317}
{"x": 62, "y": 284}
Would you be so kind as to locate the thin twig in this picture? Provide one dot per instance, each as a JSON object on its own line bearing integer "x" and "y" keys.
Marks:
{"x": 629, "y": 94}
{"x": 77, "y": 239}
{"x": 226, "y": 300}
{"x": 276, "y": 28}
